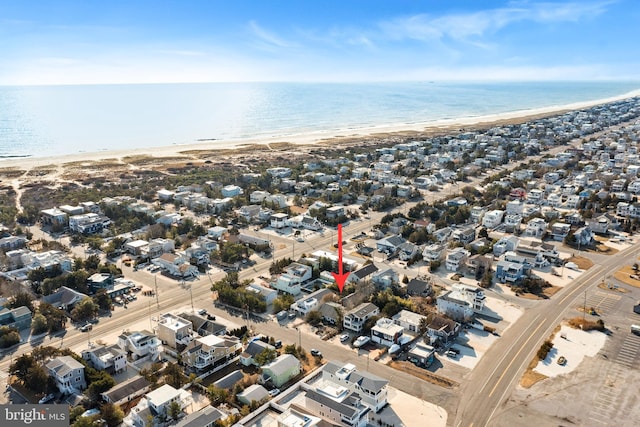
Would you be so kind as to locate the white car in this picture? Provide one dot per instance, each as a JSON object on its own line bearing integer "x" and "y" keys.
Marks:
{"x": 360, "y": 341}
{"x": 344, "y": 337}
{"x": 47, "y": 398}
{"x": 274, "y": 392}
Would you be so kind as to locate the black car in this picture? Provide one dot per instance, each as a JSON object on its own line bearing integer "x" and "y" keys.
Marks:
{"x": 277, "y": 344}
{"x": 316, "y": 353}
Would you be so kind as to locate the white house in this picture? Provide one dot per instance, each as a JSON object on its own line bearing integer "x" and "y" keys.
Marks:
{"x": 536, "y": 227}
{"x": 175, "y": 265}
{"x": 155, "y": 405}
{"x": 231, "y": 191}
{"x": 355, "y": 319}
{"x": 294, "y": 276}
{"x": 386, "y": 332}
{"x": 456, "y": 259}
{"x": 140, "y": 344}
{"x": 279, "y": 220}
{"x": 111, "y": 358}
{"x": 493, "y": 218}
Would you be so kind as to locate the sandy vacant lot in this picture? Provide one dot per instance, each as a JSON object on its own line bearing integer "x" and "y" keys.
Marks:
{"x": 574, "y": 348}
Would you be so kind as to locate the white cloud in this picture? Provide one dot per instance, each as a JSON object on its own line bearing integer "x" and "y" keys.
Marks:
{"x": 269, "y": 38}
{"x": 424, "y": 27}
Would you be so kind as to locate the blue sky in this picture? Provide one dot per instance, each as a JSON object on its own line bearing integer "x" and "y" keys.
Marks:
{"x": 75, "y": 42}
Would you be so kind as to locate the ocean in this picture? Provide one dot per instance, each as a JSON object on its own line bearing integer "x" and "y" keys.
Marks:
{"x": 43, "y": 121}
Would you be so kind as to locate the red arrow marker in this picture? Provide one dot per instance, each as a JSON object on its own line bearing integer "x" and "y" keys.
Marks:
{"x": 340, "y": 276}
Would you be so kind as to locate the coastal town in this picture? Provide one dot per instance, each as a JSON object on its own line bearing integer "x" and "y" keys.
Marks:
{"x": 486, "y": 265}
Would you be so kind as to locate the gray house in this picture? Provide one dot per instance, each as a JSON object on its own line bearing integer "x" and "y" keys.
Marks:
{"x": 19, "y": 318}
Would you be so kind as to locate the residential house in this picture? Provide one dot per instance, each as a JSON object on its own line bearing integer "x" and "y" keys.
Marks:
{"x": 344, "y": 410}
{"x": 408, "y": 251}
{"x": 461, "y": 302}
{"x": 599, "y": 225}
{"x": 174, "y": 331}
{"x": 355, "y": 319}
{"x": 456, "y": 258}
{"x": 477, "y": 213}
{"x": 510, "y": 272}
{"x": 216, "y": 232}
{"x": 64, "y": 298}
{"x": 204, "y": 417}
{"x": 434, "y": 252}
{"x": 385, "y": 278}
{"x": 140, "y": 345}
{"x": 111, "y": 359}
{"x": 211, "y": 351}
{"x": 421, "y": 354}
{"x": 53, "y": 217}
{"x": 293, "y": 278}
{"x": 493, "y": 218}
{"x": 584, "y": 236}
{"x": 386, "y": 332}
{"x": 19, "y": 317}
{"x": 371, "y": 388}
{"x": 512, "y": 222}
{"x": 281, "y": 370}
{"x": 89, "y": 223}
{"x": 363, "y": 274}
{"x": 254, "y": 348}
{"x": 231, "y": 191}
{"x": 279, "y": 220}
{"x": 560, "y": 230}
{"x": 390, "y": 244}
{"x": 67, "y": 373}
{"x": 311, "y": 302}
{"x": 536, "y": 227}
{"x": 477, "y": 265}
{"x": 268, "y": 294}
{"x": 409, "y": 320}
{"x": 442, "y": 331}
{"x": 464, "y": 235}
{"x": 332, "y": 313}
{"x": 254, "y": 393}
{"x": 155, "y": 405}
{"x": 127, "y": 391}
{"x": 176, "y": 265}
{"x": 419, "y": 288}
{"x": 507, "y": 243}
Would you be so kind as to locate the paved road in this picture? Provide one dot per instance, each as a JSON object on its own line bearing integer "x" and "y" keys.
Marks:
{"x": 504, "y": 363}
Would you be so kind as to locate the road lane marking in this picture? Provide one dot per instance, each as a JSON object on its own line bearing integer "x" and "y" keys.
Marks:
{"x": 516, "y": 357}
{"x": 502, "y": 360}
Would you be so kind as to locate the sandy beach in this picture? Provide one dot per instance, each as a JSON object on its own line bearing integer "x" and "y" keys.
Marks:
{"x": 211, "y": 150}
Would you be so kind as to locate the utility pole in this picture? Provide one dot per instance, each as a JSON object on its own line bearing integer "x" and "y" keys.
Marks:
{"x": 155, "y": 278}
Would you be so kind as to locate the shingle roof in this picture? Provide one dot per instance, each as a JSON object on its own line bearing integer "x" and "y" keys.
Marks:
{"x": 129, "y": 387}
{"x": 346, "y": 410}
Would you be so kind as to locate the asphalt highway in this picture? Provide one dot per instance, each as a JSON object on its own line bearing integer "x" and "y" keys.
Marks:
{"x": 504, "y": 363}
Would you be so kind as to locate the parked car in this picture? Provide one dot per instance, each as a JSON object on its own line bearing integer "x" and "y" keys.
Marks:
{"x": 277, "y": 344}
{"x": 202, "y": 312}
{"x": 360, "y": 341}
{"x": 344, "y": 337}
{"x": 274, "y": 392}
{"x": 211, "y": 317}
{"x": 316, "y": 353}
{"x": 452, "y": 354}
{"x": 86, "y": 327}
{"x": 282, "y": 315}
{"x": 47, "y": 398}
